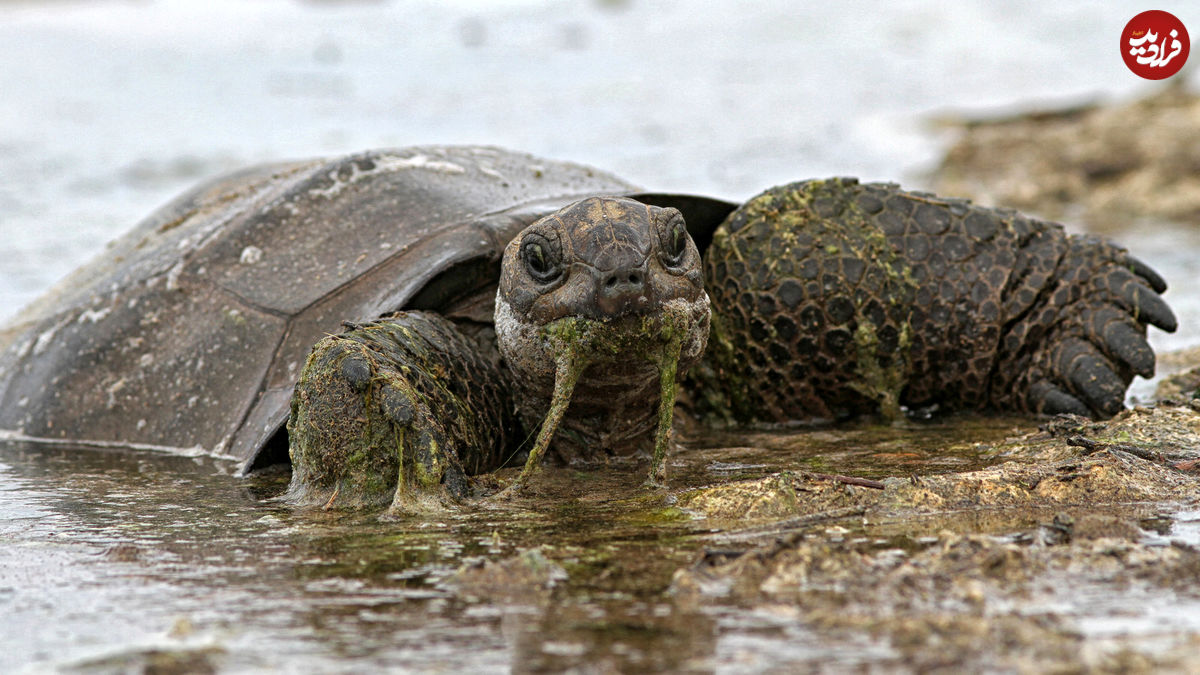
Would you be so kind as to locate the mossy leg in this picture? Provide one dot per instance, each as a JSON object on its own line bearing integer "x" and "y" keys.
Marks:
{"x": 812, "y": 308}
{"x": 395, "y": 412}
{"x": 865, "y": 298}
{"x": 339, "y": 452}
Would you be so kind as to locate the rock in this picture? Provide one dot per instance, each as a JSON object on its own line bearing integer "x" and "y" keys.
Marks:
{"x": 1106, "y": 164}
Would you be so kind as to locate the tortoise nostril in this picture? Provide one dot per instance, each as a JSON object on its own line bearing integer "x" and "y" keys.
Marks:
{"x": 624, "y": 281}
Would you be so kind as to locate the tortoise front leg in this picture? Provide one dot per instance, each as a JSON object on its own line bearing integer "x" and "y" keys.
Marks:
{"x": 853, "y": 298}
{"x": 398, "y": 411}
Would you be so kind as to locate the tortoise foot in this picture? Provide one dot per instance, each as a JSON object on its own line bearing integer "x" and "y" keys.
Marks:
{"x": 380, "y": 418}
{"x": 1076, "y": 347}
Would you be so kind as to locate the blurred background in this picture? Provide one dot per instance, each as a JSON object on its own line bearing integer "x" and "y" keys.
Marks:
{"x": 107, "y": 109}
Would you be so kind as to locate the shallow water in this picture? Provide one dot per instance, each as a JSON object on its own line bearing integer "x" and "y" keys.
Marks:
{"x": 116, "y": 561}
{"x": 109, "y": 557}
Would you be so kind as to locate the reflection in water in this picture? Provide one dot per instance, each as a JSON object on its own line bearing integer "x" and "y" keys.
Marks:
{"x": 131, "y": 556}
{"x": 112, "y": 559}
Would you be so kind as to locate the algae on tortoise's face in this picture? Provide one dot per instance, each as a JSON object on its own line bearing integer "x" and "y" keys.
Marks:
{"x": 599, "y": 310}
{"x": 576, "y": 343}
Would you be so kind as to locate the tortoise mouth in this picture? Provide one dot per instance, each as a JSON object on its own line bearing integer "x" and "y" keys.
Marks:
{"x": 608, "y": 296}
{"x": 533, "y": 347}
{"x": 631, "y": 336}
{"x": 644, "y": 324}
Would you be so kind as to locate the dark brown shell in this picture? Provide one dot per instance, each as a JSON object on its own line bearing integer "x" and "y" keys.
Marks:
{"x": 190, "y": 331}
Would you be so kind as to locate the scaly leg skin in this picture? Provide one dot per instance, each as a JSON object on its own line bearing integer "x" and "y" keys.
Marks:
{"x": 397, "y": 412}
{"x": 862, "y": 298}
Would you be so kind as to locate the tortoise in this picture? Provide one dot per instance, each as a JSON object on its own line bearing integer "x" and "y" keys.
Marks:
{"x": 457, "y": 295}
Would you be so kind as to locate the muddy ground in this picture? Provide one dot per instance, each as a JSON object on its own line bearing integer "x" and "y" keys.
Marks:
{"x": 1015, "y": 564}
{"x": 980, "y": 543}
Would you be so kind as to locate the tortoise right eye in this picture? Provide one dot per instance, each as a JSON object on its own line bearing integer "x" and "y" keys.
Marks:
{"x": 541, "y": 261}
{"x": 673, "y": 238}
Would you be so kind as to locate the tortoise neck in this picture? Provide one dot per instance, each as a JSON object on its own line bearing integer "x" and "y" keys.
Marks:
{"x": 615, "y": 405}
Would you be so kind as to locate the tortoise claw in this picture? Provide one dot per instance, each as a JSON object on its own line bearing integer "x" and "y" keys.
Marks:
{"x": 1146, "y": 272}
{"x": 1050, "y": 400}
{"x": 1130, "y": 346}
{"x": 397, "y": 406}
{"x": 356, "y": 371}
{"x": 1113, "y": 332}
{"x": 1091, "y": 377}
{"x": 1142, "y": 302}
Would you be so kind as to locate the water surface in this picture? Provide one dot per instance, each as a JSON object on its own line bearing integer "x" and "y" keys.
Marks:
{"x": 111, "y": 558}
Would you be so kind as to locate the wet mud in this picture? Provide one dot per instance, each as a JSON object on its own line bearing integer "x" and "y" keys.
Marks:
{"x": 1035, "y": 563}
{"x": 1182, "y": 384}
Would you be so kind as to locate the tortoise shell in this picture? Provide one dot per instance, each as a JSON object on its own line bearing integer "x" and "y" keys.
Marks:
{"x": 190, "y": 331}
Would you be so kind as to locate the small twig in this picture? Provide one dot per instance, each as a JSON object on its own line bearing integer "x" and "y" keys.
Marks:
{"x": 781, "y": 526}
{"x": 848, "y": 480}
{"x": 1145, "y": 454}
{"x": 1092, "y": 447}
{"x": 1085, "y": 443}
{"x": 329, "y": 504}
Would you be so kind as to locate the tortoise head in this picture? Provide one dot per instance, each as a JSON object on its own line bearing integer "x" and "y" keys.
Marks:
{"x": 606, "y": 293}
{"x": 601, "y": 258}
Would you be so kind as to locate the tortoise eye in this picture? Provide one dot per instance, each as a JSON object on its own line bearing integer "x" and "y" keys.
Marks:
{"x": 673, "y": 239}
{"x": 541, "y": 260}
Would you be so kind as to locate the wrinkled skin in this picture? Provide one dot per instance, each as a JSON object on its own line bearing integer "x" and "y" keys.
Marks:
{"x": 828, "y": 299}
